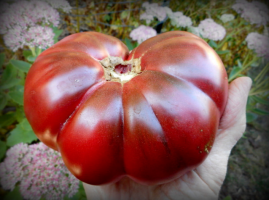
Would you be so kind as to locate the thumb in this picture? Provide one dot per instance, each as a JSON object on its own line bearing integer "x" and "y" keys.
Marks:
{"x": 233, "y": 121}
{"x": 232, "y": 126}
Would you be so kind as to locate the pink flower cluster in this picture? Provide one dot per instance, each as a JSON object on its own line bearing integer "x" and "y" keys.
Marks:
{"x": 259, "y": 43}
{"x": 40, "y": 171}
{"x": 26, "y": 13}
{"x": 153, "y": 10}
{"x": 26, "y": 23}
{"x": 36, "y": 36}
{"x": 142, "y": 33}
{"x": 210, "y": 29}
{"x": 255, "y": 12}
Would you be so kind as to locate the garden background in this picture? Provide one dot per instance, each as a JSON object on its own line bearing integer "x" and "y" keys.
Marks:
{"x": 237, "y": 30}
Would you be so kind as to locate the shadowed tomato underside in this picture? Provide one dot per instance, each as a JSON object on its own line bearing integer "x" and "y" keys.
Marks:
{"x": 151, "y": 114}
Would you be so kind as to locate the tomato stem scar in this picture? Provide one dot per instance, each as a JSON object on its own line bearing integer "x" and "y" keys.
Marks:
{"x": 118, "y": 70}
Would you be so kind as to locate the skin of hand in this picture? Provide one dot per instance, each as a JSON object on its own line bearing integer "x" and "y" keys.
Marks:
{"x": 206, "y": 180}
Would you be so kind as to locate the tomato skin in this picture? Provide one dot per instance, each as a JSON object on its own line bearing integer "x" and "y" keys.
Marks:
{"x": 153, "y": 128}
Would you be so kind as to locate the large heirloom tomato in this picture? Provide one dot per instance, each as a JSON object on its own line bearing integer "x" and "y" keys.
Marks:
{"x": 150, "y": 114}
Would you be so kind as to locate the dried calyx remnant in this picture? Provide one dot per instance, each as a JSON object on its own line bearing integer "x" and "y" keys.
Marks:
{"x": 118, "y": 70}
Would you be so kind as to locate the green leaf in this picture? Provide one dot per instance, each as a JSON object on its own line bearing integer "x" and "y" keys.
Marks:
{"x": 9, "y": 78}
{"x": 3, "y": 149}
{"x": 7, "y": 119}
{"x": 260, "y": 100}
{"x": 2, "y": 59}
{"x": 251, "y": 117}
{"x": 259, "y": 111}
{"x": 129, "y": 44}
{"x": 223, "y": 52}
{"x": 21, "y": 65}
{"x": 212, "y": 44}
{"x": 234, "y": 71}
{"x": 31, "y": 58}
{"x": 17, "y": 94}
{"x": 19, "y": 114}
{"x": 57, "y": 33}
{"x": 22, "y": 133}
{"x": 228, "y": 198}
{"x": 3, "y": 100}
{"x": 239, "y": 63}
{"x": 107, "y": 18}
{"x": 124, "y": 14}
{"x": 15, "y": 194}
{"x": 27, "y": 53}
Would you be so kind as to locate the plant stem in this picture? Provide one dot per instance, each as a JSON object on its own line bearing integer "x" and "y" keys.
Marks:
{"x": 33, "y": 51}
{"x": 258, "y": 86}
{"x": 258, "y": 92}
{"x": 262, "y": 73}
{"x": 242, "y": 69}
{"x": 39, "y": 51}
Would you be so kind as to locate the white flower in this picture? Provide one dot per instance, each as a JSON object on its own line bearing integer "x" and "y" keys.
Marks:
{"x": 147, "y": 17}
{"x": 255, "y": 12}
{"x": 153, "y": 10}
{"x": 142, "y": 33}
{"x": 180, "y": 20}
{"x": 168, "y": 11}
{"x": 259, "y": 43}
{"x": 211, "y": 30}
{"x": 227, "y": 17}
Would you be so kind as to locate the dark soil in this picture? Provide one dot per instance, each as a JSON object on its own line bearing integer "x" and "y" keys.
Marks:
{"x": 248, "y": 168}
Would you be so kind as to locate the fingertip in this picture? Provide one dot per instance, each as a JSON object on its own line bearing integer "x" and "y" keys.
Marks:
{"x": 235, "y": 112}
{"x": 244, "y": 83}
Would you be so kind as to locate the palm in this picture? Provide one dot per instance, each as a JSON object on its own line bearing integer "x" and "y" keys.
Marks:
{"x": 205, "y": 181}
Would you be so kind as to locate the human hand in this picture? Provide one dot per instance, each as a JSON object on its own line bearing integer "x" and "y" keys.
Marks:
{"x": 205, "y": 181}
